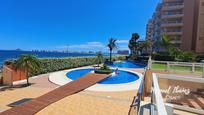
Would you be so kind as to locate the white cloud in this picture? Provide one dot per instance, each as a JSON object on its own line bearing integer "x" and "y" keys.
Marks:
{"x": 85, "y": 46}
{"x": 88, "y": 45}
{"x": 122, "y": 41}
{"x": 94, "y": 46}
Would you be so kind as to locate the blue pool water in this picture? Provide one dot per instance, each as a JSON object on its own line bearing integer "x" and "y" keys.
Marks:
{"x": 127, "y": 64}
{"x": 121, "y": 77}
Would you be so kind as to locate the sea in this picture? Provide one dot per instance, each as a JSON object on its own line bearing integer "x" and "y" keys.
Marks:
{"x": 13, "y": 54}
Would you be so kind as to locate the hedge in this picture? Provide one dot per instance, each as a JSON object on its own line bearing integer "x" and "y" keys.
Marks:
{"x": 160, "y": 57}
{"x": 199, "y": 58}
{"x": 56, "y": 64}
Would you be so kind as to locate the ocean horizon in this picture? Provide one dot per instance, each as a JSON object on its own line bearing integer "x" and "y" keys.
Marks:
{"x": 13, "y": 54}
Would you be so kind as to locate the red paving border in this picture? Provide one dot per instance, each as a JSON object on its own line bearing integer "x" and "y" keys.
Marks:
{"x": 43, "y": 101}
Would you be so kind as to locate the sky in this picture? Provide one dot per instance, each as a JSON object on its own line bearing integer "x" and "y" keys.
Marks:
{"x": 82, "y": 25}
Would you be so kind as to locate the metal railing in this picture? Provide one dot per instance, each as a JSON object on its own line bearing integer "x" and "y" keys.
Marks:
{"x": 173, "y": 4}
{"x": 170, "y": 65}
{"x": 1, "y": 75}
{"x": 193, "y": 84}
{"x": 140, "y": 91}
{"x": 156, "y": 99}
{"x": 138, "y": 97}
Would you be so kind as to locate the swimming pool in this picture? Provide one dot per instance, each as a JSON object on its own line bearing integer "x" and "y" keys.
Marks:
{"x": 126, "y": 64}
{"x": 120, "y": 78}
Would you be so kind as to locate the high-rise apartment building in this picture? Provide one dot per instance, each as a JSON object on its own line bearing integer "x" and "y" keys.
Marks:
{"x": 149, "y": 29}
{"x": 182, "y": 21}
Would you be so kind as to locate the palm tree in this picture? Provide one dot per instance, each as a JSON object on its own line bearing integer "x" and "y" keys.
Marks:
{"x": 99, "y": 57}
{"x": 27, "y": 63}
{"x": 144, "y": 46}
{"x": 133, "y": 44}
{"x": 111, "y": 45}
{"x": 164, "y": 44}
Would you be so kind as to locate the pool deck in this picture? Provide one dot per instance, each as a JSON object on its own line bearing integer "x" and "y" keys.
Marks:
{"x": 37, "y": 104}
{"x": 39, "y": 85}
{"x": 87, "y": 102}
{"x": 84, "y": 103}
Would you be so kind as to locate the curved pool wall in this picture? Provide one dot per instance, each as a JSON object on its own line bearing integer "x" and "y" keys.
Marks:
{"x": 126, "y": 64}
{"x": 60, "y": 78}
{"x": 119, "y": 78}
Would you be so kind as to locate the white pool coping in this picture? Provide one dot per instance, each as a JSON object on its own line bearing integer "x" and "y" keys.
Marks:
{"x": 60, "y": 78}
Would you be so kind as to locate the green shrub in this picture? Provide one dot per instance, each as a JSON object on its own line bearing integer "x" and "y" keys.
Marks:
{"x": 186, "y": 57}
{"x": 104, "y": 70}
{"x": 101, "y": 71}
{"x": 199, "y": 58}
{"x": 143, "y": 58}
{"x": 56, "y": 64}
{"x": 9, "y": 62}
{"x": 163, "y": 57}
{"x": 121, "y": 57}
{"x": 105, "y": 67}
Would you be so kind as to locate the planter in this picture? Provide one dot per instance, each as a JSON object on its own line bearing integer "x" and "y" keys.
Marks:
{"x": 102, "y": 71}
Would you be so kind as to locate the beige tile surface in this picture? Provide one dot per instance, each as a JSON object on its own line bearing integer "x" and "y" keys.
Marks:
{"x": 85, "y": 102}
{"x": 39, "y": 87}
{"x": 92, "y": 103}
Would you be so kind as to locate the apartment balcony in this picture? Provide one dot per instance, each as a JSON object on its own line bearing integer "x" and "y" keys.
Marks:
{"x": 166, "y": 16}
{"x": 173, "y": 33}
{"x": 172, "y": 24}
{"x": 172, "y": 7}
{"x": 176, "y": 41}
{"x": 164, "y": 1}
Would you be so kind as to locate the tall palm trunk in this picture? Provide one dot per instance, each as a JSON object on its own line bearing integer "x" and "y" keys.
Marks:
{"x": 131, "y": 52}
{"x": 99, "y": 63}
{"x": 27, "y": 77}
{"x": 110, "y": 55}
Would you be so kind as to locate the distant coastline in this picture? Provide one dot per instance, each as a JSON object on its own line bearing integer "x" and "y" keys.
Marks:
{"x": 13, "y": 54}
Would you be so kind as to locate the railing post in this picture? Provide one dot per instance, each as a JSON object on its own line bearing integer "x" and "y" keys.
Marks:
{"x": 168, "y": 66}
{"x": 203, "y": 70}
{"x": 193, "y": 67}
{"x": 150, "y": 63}
{"x": 161, "y": 110}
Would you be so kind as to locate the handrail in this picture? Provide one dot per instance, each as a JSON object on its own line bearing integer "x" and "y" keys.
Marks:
{"x": 188, "y": 64}
{"x": 160, "y": 106}
{"x": 139, "y": 95}
{"x": 154, "y": 61}
{"x": 183, "y": 78}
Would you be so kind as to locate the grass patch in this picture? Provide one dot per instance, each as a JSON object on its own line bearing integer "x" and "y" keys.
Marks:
{"x": 157, "y": 66}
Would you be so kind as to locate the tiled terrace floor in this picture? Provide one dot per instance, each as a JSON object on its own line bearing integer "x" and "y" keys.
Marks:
{"x": 85, "y": 102}
{"x": 39, "y": 87}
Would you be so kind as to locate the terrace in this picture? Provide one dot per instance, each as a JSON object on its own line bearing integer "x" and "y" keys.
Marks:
{"x": 121, "y": 102}
{"x": 178, "y": 97}
{"x": 91, "y": 85}
{"x": 100, "y": 101}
